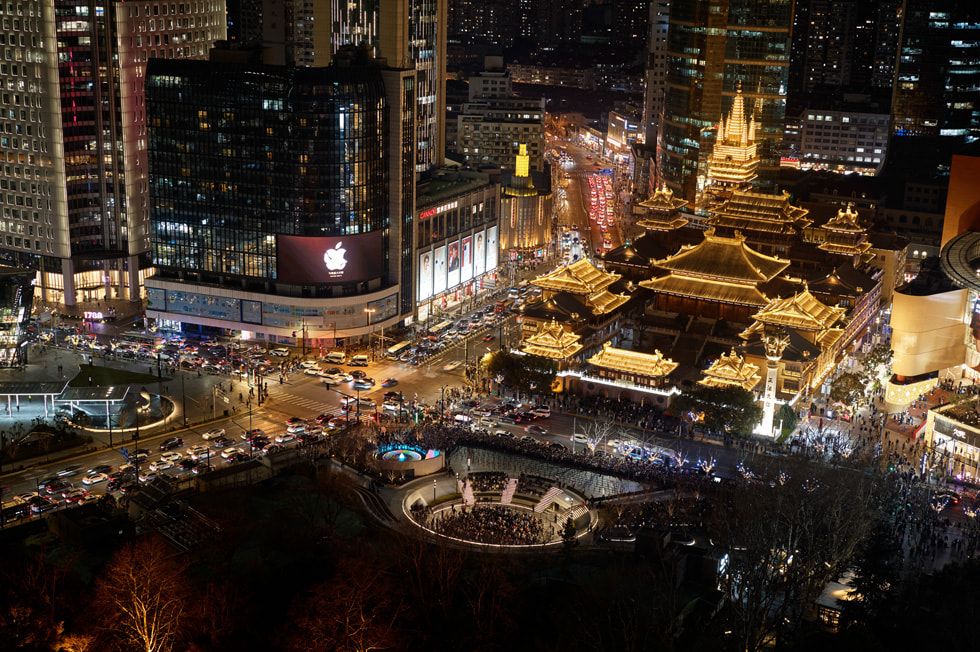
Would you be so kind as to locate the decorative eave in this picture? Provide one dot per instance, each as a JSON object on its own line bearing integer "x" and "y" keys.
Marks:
{"x": 651, "y": 365}
{"x": 731, "y": 369}
{"x": 761, "y": 211}
{"x": 855, "y": 249}
{"x": 604, "y": 301}
{"x": 829, "y": 337}
{"x": 580, "y": 277}
{"x": 554, "y": 342}
{"x": 663, "y": 225}
{"x": 802, "y": 311}
{"x": 744, "y": 294}
{"x": 663, "y": 200}
{"x": 724, "y": 258}
{"x": 847, "y": 220}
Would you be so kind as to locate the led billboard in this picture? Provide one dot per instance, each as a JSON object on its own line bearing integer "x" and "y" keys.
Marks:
{"x": 334, "y": 259}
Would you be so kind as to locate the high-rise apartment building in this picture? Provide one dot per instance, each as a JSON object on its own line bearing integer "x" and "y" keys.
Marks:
{"x": 656, "y": 69}
{"x": 712, "y": 46}
{"x": 74, "y": 180}
{"x": 281, "y": 197}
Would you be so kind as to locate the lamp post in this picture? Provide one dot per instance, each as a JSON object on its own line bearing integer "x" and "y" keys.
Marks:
{"x": 433, "y": 490}
{"x": 370, "y": 312}
{"x": 442, "y": 406}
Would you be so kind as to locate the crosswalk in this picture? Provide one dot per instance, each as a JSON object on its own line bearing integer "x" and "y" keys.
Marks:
{"x": 281, "y": 399}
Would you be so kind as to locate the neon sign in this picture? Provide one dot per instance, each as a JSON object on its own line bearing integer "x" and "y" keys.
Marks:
{"x": 436, "y": 211}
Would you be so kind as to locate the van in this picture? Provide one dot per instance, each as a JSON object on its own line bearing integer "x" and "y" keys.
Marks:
{"x": 336, "y": 357}
{"x": 358, "y": 361}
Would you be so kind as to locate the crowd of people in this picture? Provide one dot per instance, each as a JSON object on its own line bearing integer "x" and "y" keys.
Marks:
{"x": 488, "y": 481}
{"x": 489, "y": 524}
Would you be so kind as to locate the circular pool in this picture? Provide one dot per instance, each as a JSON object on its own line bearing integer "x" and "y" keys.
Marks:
{"x": 401, "y": 455}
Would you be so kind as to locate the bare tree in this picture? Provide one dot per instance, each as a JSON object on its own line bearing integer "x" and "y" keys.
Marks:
{"x": 143, "y": 595}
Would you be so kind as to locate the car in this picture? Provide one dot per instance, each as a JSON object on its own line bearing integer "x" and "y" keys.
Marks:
{"x": 542, "y": 411}
{"x": 171, "y": 443}
{"x": 580, "y": 438}
{"x": 101, "y": 468}
{"x": 332, "y": 379}
{"x": 272, "y": 448}
{"x": 222, "y": 442}
{"x": 535, "y": 429}
{"x": 172, "y": 457}
{"x": 69, "y": 471}
{"x": 337, "y": 422}
{"x": 323, "y": 418}
{"x": 57, "y": 486}
{"x": 214, "y": 433}
{"x": 506, "y": 434}
{"x": 139, "y": 458}
{"x": 389, "y": 382}
{"x": 41, "y": 504}
{"x": 238, "y": 457}
{"x": 480, "y": 411}
{"x": 310, "y": 364}
{"x": 311, "y": 371}
{"x": 95, "y": 478}
{"x": 285, "y": 438}
{"x": 452, "y": 365}
{"x": 364, "y": 384}
{"x": 391, "y": 406}
{"x": 161, "y": 465}
{"x": 188, "y": 465}
{"x": 75, "y": 495}
{"x": 358, "y": 374}
{"x": 259, "y": 441}
{"x": 528, "y": 439}
{"x": 291, "y": 421}
{"x": 194, "y": 451}
{"x": 254, "y": 432}
{"x": 488, "y": 338}
{"x": 394, "y": 396}
{"x": 296, "y": 428}
{"x": 230, "y": 452}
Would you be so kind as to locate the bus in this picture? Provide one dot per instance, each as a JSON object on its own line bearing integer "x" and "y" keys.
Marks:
{"x": 398, "y": 349}
{"x": 14, "y": 509}
{"x": 440, "y": 329}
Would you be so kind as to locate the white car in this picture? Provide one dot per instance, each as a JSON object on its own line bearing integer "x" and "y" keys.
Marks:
{"x": 311, "y": 371}
{"x": 285, "y": 438}
{"x": 391, "y": 406}
{"x": 542, "y": 411}
{"x": 173, "y": 457}
{"x": 214, "y": 434}
{"x": 95, "y": 478}
{"x": 228, "y": 452}
{"x": 579, "y": 438}
{"x": 310, "y": 364}
{"x": 199, "y": 452}
{"x": 161, "y": 465}
{"x": 296, "y": 428}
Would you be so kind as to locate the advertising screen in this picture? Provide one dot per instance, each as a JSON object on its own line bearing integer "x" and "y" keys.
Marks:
{"x": 452, "y": 264}
{"x": 466, "y": 266}
{"x": 479, "y": 253}
{"x": 439, "y": 270}
{"x": 425, "y": 275}
{"x": 491, "y": 248}
{"x": 342, "y": 259}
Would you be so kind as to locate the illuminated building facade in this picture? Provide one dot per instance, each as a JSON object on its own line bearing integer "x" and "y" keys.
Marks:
{"x": 525, "y": 209}
{"x": 74, "y": 168}
{"x": 16, "y": 300}
{"x": 275, "y": 197}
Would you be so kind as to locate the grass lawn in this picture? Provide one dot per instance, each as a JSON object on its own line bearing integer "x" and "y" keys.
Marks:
{"x": 105, "y": 376}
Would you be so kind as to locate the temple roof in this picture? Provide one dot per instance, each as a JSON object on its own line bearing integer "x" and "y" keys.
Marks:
{"x": 553, "y": 341}
{"x": 626, "y": 255}
{"x": 708, "y": 289}
{"x": 731, "y": 369}
{"x": 653, "y": 365}
{"x": 663, "y": 200}
{"x": 604, "y": 301}
{"x": 843, "y": 280}
{"x": 724, "y": 258}
{"x": 747, "y": 210}
{"x": 847, "y": 219}
{"x": 801, "y": 311}
{"x": 580, "y": 277}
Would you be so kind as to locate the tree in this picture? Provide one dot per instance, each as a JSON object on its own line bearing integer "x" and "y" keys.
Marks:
{"x": 847, "y": 389}
{"x": 525, "y": 373}
{"x": 143, "y": 595}
{"x": 787, "y": 417}
{"x": 729, "y": 409}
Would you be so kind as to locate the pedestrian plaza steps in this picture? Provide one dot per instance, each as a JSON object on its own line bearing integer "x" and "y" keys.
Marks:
{"x": 579, "y": 510}
{"x": 508, "y": 494}
{"x": 549, "y": 497}
{"x": 468, "y": 498}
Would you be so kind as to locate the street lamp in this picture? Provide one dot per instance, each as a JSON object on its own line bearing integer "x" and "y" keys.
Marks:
{"x": 433, "y": 490}
{"x": 371, "y": 311}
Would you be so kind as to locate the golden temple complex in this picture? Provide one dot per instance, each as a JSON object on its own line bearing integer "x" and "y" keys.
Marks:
{"x": 635, "y": 366}
{"x": 580, "y": 277}
{"x": 731, "y": 369}
{"x": 663, "y": 211}
{"x": 554, "y": 342}
{"x": 845, "y": 235}
{"x": 734, "y": 160}
{"x": 762, "y": 218}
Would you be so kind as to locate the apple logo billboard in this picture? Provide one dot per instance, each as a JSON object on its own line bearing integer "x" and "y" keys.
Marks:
{"x": 333, "y": 259}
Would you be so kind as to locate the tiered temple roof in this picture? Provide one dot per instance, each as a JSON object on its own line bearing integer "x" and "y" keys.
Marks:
{"x": 554, "y": 342}
{"x": 718, "y": 269}
{"x": 802, "y": 311}
{"x": 663, "y": 211}
{"x": 580, "y": 277}
{"x": 731, "y": 369}
{"x": 845, "y": 234}
{"x": 653, "y": 365}
{"x": 748, "y": 211}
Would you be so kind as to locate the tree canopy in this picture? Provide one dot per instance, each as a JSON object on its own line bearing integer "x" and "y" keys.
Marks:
{"x": 728, "y": 409}
{"x": 527, "y": 373}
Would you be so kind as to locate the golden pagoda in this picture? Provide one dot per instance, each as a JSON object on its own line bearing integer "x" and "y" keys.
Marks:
{"x": 801, "y": 312}
{"x": 638, "y": 367}
{"x": 731, "y": 369}
{"x": 663, "y": 211}
{"x": 583, "y": 278}
{"x": 719, "y": 277}
{"x": 762, "y": 218}
{"x": 845, "y": 234}
{"x": 554, "y": 342}
{"x": 734, "y": 160}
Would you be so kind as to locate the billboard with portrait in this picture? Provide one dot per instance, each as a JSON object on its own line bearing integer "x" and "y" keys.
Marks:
{"x": 466, "y": 259}
{"x": 479, "y": 253}
{"x": 439, "y": 270}
{"x": 491, "y": 248}
{"x": 452, "y": 264}
{"x": 343, "y": 259}
{"x": 425, "y": 275}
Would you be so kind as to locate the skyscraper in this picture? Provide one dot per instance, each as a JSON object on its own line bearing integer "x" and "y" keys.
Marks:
{"x": 712, "y": 45}
{"x": 74, "y": 171}
{"x": 656, "y": 69}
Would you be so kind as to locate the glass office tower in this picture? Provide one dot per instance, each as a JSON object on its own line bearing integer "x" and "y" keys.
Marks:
{"x": 270, "y": 196}
{"x": 712, "y": 46}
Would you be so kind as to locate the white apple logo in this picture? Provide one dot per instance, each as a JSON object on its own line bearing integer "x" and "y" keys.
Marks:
{"x": 334, "y": 258}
